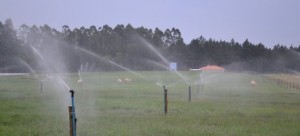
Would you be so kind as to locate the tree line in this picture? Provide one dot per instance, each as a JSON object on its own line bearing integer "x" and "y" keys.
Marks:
{"x": 131, "y": 47}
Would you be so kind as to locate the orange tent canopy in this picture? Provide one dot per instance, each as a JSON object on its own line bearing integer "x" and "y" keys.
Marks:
{"x": 212, "y": 68}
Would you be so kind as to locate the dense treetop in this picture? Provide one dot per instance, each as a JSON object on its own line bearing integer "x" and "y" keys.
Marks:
{"x": 130, "y": 47}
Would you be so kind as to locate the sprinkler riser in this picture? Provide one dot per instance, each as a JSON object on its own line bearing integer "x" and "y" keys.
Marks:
{"x": 165, "y": 100}
{"x": 73, "y": 115}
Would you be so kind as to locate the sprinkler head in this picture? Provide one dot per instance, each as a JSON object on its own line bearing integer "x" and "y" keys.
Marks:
{"x": 72, "y": 93}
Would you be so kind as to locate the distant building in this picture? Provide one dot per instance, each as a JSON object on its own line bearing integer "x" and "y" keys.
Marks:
{"x": 212, "y": 68}
{"x": 173, "y": 66}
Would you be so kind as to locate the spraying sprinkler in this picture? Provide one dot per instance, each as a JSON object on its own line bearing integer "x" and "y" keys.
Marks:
{"x": 200, "y": 83}
{"x": 72, "y": 116}
{"x": 80, "y": 80}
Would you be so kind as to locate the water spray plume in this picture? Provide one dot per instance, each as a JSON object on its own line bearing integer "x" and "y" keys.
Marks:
{"x": 27, "y": 65}
{"x": 59, "y": 79}
{"x": 62, "y": 82}
{"x": 51, "y": 58}
{"x": 159, "y": 84}
{"x": 147, "y": 44}
{"x": 79, "y": 75}
{"x": 38, "y": 53}
{"x": 80, "y": 80}
{"x": 111, "y": 62}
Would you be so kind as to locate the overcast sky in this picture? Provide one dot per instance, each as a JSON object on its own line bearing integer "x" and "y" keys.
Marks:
{"x": 267, "y": 21}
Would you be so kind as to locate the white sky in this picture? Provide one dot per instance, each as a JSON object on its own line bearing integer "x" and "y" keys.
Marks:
{"x": 267, "y": 21}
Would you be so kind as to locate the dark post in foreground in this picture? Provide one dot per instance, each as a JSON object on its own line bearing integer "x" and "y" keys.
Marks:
{"x": 72, "y": 116}
{"x": 190, "y": 93}
{"x": 70, "y": 119}
{"x": 165, "y": 100}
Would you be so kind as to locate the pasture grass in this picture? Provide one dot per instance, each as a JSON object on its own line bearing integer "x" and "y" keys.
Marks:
{"x": 226, "y": 105}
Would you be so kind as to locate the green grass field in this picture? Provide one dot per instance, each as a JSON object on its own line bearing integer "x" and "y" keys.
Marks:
{"x": 226, "y": 106}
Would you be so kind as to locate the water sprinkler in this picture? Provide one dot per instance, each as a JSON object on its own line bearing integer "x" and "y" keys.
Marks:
{"x": 80, "y": 81}
{"x": 72, "y": 116}
{"x": 165, "y": 99}
{"x": 200, "y": 84}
